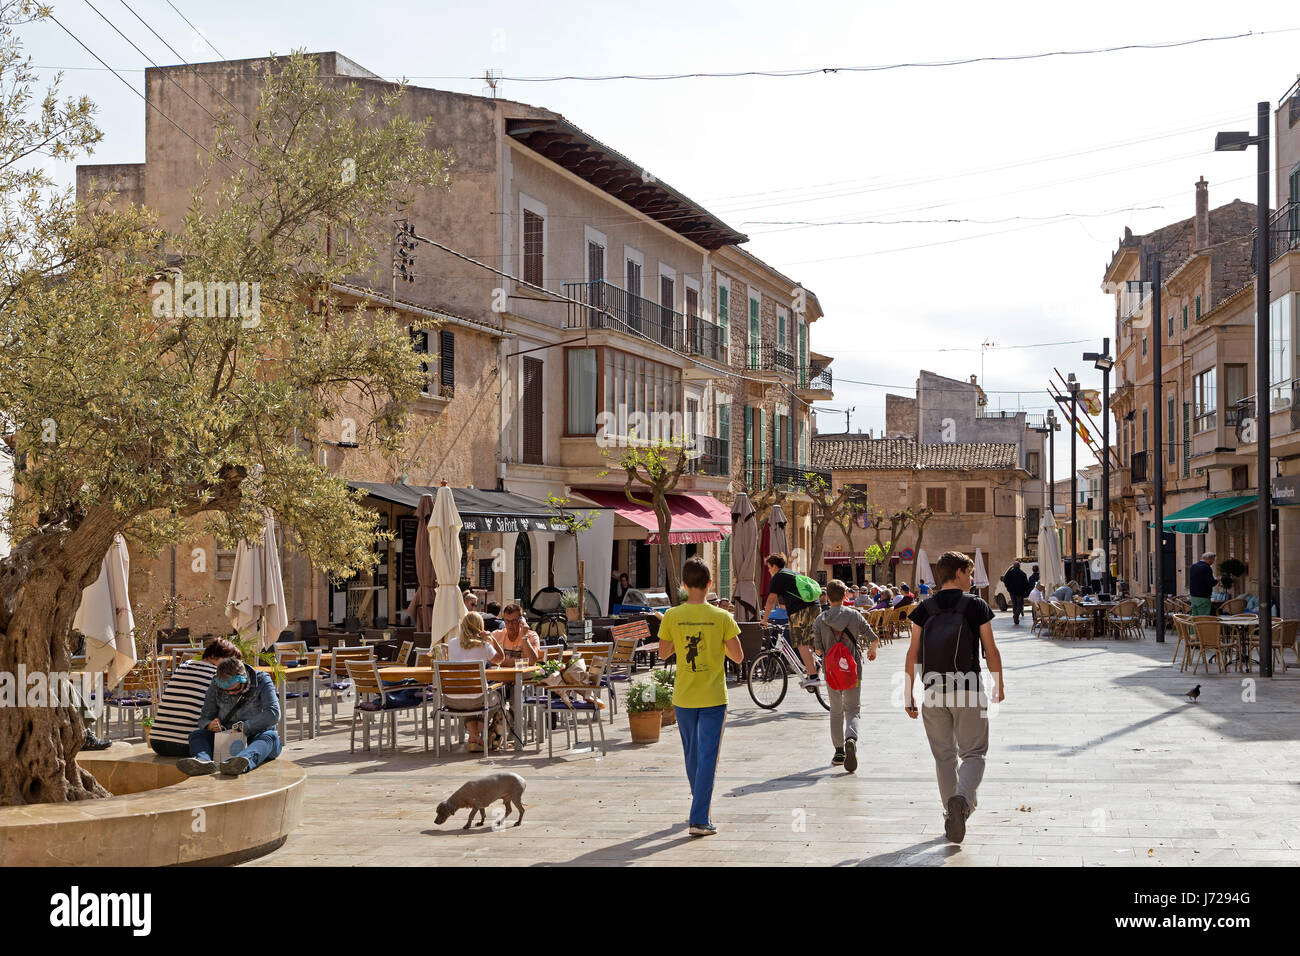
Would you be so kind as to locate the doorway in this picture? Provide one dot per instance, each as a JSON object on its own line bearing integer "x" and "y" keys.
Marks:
{"x": 523, "y": 569}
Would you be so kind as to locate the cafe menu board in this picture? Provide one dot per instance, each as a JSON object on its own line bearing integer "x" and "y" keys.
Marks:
{"x": 407, "y": 529}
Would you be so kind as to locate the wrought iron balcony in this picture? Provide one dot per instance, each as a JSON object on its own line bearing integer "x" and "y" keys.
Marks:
{"x": 812, "y": 379}
{"x": 1283, "y": 232}
{"x": 769, "y": 358}
{"x": 794, "y": 475}
{"x": 714, "y": 457}
{"x": 600, "y": 305}
{"x": 703, "y": 338}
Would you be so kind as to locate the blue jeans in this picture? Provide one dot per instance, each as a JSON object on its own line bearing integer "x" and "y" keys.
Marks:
{"x": 701, "y": 729}
{"x": 263, "y": 747}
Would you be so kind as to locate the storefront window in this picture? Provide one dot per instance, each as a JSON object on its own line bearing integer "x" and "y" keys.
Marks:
{"x": 582, "y": 392}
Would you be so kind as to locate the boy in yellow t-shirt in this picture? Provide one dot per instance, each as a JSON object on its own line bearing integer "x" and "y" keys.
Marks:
{"x": 703, "y": 636}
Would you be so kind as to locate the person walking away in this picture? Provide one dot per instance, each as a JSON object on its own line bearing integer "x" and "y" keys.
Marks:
{"x": 784, "y": 588}
{"x": 947, "y": 631}
{"x": 182, "y": 700}
{"x": 1202, "y": 583}
{"x": 1018, "y": 587}
{"x": 843, "y": 625}
{"x": 710, "y": 636}
{"x": 239, "y": 696}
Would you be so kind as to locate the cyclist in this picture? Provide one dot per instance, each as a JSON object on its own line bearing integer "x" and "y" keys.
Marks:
{"x": 801, "y": 615}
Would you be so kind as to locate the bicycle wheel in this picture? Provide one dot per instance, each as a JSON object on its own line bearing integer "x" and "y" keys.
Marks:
{"x": 820, "y": 689}
{"x": 768, "y": 680}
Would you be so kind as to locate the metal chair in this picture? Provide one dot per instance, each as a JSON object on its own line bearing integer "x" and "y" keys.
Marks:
{"x": 364, "y": 675}
{"x": 465, "y": 679}
{"x": 339, "y": 683}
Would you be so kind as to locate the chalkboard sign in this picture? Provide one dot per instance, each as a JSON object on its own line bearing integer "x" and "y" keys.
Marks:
{"x": 408, "y": 528}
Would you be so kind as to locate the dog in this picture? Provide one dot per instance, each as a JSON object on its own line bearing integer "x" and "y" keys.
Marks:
{"x": 478, "y": 793}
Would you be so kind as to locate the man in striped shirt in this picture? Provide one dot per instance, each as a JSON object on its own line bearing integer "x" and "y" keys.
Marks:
{"x": 178, "y": 711}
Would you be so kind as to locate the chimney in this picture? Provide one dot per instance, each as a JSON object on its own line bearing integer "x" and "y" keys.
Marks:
{"x": 1202, "y": 215}
{"x": 974, "y": 380}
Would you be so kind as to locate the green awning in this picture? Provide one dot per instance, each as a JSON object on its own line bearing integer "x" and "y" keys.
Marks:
{"x": 1195, "y": 519}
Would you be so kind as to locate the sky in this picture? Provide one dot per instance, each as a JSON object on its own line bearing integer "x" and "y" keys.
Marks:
{"x": 1046, "y": 160}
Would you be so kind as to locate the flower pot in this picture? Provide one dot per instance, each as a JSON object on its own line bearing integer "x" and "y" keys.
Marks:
{"x": 645, "y": 726}
{"x": 573, "y": 613}
{"x": 670, "y": 717}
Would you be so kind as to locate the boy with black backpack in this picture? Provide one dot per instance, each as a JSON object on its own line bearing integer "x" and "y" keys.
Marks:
{"x": 836, "y": 634}
{"x": 948, "y": 630}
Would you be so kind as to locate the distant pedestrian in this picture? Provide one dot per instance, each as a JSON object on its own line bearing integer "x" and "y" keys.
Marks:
{"x": 1018, "y": 587}
{"x": 839, "y": 624}
{"x": 1202, "y": 583}
{"x": 947, "y": 631}
{"x": 700, "y": 687}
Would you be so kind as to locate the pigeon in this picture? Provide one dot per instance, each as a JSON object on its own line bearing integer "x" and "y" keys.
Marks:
{"x": 1194, "y": 693}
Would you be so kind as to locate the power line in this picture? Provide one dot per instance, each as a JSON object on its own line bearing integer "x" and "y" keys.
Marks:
{"x": 199, "y": 33}
{"x": 914, "y": 222}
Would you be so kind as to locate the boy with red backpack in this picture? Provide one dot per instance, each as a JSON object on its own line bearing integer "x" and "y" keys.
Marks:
{"x": 836, "y": 634}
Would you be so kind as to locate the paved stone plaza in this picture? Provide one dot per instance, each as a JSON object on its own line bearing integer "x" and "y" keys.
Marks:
{"x": 1096, "y": 759}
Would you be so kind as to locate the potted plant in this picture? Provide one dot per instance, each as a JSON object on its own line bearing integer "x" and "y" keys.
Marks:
{"x": 572, "y": 605}
{"x": 645, "y": 710}
{"x": 1231, "y": 568}
{"x": 148, "y": 725}
{"x": 667, "y": 679}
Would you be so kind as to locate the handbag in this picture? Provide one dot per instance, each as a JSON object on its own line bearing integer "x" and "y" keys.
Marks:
{"x": 228, "y": 743}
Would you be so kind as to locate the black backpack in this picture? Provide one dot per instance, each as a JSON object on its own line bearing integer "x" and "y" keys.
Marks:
{"x": 947, "y": 644}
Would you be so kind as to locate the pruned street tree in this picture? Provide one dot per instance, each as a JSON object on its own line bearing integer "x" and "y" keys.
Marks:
{"x": 921, "y": 515}
{"x": 826, "y": 509}
{"x": 846, "y": 519}
{"x": 651, "y": 471}
{"x": 162, "y": 417}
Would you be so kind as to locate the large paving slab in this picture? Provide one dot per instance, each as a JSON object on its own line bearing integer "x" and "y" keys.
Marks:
{"x": 1096, "y": 759}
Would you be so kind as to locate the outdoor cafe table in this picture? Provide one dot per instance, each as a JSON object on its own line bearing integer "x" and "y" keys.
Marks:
{"x": 1241, "y": 624}
{"x": 506, "y": 675}
{"x": 1099, "y": 610}
{"x": 284, "y": 676}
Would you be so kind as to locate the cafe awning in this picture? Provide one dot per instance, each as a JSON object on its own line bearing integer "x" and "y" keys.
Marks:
{"x": 843, "y": 557}
{"x": 1195, "y": 519}
{"x": 491, "y": 512}
{"x": 689, "y": 525}
{"x": 718, "y": 513}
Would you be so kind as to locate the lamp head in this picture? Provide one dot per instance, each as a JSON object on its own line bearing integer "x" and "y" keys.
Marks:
{"x": 1232, "y": 142}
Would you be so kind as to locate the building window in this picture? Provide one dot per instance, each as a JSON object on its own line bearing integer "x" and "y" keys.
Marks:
{"x": 936, "y": 499}
{"x": 420, "y": 345}
{"x": 533, "y": 240}
{"x": 1032, "y": 459}
{"x": 582, "y": 392}
{"x": 1205, "y": 400}
{"x": 1279, "y": 359}
{"x": 1240, "y": 477}
{"x": 1187, "y": 439}
{"x": 755, "y": 331}
{"x": 532, "y": 404}
{"x": 1184, "y": 316}
{"x": 1198, "y": 307}
{"x": 1144, "y": 346}
{"x": 1234, "y": 385}
{"x": 446, "y": 363}
{"x": 1144, "y": 431}
{"x": 1170, "y": 422}
{"x": 640, "y": 397}
{"x": 724, "y": 313}
{"x": 975, "y": 501}
{"x": 1171, "y": 326}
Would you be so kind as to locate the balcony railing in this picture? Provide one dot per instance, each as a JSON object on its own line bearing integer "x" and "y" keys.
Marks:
{"x": 769, "y": 358}
{"x": 1237, "y": 412}
{"x": 813, "y": 380}
{"x": 1138, "y": 466}
{"x": 1283, "y": 232}
{"x": 600, "y": 305}
{"x": 985, "y": 412}
{"x": 714, "y": 458}
{"x": 794, "y": 475}
{"x": 703, "y": 338}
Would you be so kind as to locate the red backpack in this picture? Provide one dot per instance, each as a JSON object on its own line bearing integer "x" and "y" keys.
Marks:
{"x": 840, "y": 667}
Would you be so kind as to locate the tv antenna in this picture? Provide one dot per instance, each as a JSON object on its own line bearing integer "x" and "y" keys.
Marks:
{"x": 847, "y": 413}
{"x": 984, "y": 346}
{"x": 493, "y": 78}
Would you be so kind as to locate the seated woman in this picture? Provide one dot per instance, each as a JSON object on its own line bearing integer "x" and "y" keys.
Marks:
{"x": 182, "y": 700}
{"x": 885, "y": 598}
{"x": 238, "y": 694}
{"x": 474, "y": 644}
{"x": 904, "y": 597}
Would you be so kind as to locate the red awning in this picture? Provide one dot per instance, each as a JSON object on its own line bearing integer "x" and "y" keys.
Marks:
{"x": 715, "y": 510}
{"x": 689, "y": 525}
{"x": 842, "y": 558}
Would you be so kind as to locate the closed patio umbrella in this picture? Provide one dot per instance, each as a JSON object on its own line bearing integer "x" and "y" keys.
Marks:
{"x": 981, "y": 577}
{"x": 744, "y": 559}
{"x": 922, "y": 571}
{"x": 421, "y": 606}
{"x": 777, "y": 539}
{"x": 1051, "y": 570}
{"x": 444, "y": 547}
{"x": 256, "y": 597}
{"x": 105, "y": 617}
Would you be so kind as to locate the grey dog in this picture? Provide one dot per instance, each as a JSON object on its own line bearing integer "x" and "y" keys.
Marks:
{"x": 478, "y": 793}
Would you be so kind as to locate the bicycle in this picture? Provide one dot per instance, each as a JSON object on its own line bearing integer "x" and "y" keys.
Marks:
{"x": 769, "y": 672}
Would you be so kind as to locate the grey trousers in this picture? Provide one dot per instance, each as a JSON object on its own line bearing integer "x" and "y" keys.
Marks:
{"x": 845, "y": 705}
{"x": 957, "y": 730}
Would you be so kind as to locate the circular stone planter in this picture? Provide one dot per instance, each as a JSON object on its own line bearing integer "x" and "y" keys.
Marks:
{"x": 157, "y": 816}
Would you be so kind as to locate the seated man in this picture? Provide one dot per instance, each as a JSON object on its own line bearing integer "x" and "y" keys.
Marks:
{"x": 518, "y": 642}
{"x": 182, "y": 700}
{"x": 492, "y": 618}
{"x": 238, "y": 694}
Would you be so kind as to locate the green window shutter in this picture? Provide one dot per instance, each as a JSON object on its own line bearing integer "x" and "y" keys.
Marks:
{"x": 724, "y": 568}
{"x": 780, "y": 332}
{"x": 749, "y": 446}
{"x": 1187, "y": 439}
{"x": 802, "y": 460}
{"x": 755, "y": 333}
{"x": 803, "y": 349}
{"x": 724, "y": 314}
{"x": 1184, "y": 316}
{"x": 762, "y": 447}
{"x": 1198, "y": 307}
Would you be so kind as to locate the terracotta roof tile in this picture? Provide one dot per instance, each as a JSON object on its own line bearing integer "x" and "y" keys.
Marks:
{"x": 860, "y": 453}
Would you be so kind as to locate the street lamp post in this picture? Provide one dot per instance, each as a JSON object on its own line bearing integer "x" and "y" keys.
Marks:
{"x": 1073, "y": 383}
{"x": 1104, "y": 363}
{"x": 1156, "y": 461}
{"x": 1236, "y": 142}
